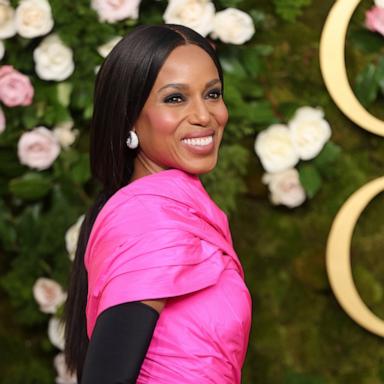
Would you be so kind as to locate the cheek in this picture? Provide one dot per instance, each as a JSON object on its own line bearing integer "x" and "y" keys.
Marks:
{"x": 222, "y": 115}
{"x": 163, "y": 122}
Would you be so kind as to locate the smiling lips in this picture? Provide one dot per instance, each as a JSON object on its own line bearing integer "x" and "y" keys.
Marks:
{"x": 199, "y": 145}
{"x": 199, "y": 141}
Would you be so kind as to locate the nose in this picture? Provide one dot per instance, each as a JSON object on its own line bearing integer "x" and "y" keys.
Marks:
{"x": 199, "y": 113}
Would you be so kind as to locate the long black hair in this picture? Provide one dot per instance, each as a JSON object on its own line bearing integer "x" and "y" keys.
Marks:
{"x": 122, "y": 87}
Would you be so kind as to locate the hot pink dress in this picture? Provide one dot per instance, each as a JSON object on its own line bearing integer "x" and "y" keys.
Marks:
{"x": 161, "y": 236}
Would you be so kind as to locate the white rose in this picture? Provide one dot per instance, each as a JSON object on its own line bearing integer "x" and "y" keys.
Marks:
{"x": 233, "y": 26}
{"x": 7, "y": 20}
{"x": 53, "y": 59}
{"x": 309, "y": 132}
{"x": 285, "y": 188}
{"x": 275, "y": 149}
{"x": 108, "y": 46}
{"x": 38, "y": 148}
{"x": 48, "y": 294}
{"x": 195, "y": 14}
{"x": 379, "y": 3}
{"x": 72, "y": 237}
{"x": 63, "y": 374}
{"x": 56, "y": 331}
{"x": 64, "y": 134}
{"x": 33, "y": 18}
{"x": 115, "y": 10}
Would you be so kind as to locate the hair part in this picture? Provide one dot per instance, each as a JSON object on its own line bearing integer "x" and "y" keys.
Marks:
{"x": 122, "y": 87}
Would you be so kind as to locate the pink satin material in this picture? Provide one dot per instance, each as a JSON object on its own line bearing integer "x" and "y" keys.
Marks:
{"x": 162, "y": 236}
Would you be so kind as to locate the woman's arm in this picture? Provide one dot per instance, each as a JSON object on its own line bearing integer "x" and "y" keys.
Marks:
{"x": 119, "y": 342}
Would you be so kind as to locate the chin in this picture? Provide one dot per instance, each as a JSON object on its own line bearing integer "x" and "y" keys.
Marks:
{"x": 200, "y": 167}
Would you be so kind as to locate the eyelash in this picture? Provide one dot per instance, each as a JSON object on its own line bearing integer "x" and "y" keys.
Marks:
{"x": 171, "y": 99}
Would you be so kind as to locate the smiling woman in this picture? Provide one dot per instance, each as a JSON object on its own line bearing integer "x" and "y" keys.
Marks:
{"x": 182, "y": 122}
{"x": 157, "y": 292}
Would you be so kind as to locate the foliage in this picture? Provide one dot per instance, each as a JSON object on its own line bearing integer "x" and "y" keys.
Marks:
{"x": 299, "y": 331}
{"x": 289, "y": 10}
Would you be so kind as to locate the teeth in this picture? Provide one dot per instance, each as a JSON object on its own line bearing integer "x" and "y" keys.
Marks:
{"x": 199, "y": 141}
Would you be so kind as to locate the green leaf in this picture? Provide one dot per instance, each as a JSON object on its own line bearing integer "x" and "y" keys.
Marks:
{"x": 29, "y": 117}
{"x": 329, "y": 154}
{"x": 261, "y": 112}
{"x": 7, "y": 229}
{"x": 366, "y": 85}
{"x": 233, "y": 66}
{"x": 289, "y": 10}
{"x": 9, "y": 163}
{"x": 367, "y": 41}
{"x": 81, "y": 171}
{"x": 380, "y": 74}
{"x": 30, "y": 186}
{"x": 252, "y": 62}
{"x": 310, "y": 179}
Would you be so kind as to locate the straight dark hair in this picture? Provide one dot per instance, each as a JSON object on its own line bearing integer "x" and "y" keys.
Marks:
{"x": 122, "y": 87}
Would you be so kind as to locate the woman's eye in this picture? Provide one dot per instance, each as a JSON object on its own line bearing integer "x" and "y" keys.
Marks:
{"x": 174, "y": 99}
{"x": 214, "y": 94}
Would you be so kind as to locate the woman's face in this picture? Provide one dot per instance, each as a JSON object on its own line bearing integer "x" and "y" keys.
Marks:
{"x": 182, "y": 122}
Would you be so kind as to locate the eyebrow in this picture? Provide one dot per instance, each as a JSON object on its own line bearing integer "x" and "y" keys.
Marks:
{"x": 185, "y": 86}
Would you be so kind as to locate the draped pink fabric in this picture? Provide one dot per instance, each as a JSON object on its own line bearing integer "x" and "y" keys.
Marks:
{"x": 162, "y": 236}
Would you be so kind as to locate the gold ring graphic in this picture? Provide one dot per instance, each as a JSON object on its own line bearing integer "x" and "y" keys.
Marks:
{"x": 332, "y": 64}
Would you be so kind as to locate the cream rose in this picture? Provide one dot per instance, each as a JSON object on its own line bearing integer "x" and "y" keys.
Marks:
{"x": 106, "y": 48}
{"x": 379, "y": 3}
{"x": 53, "y": 59}
{"x": 33, "y": 18}
{"x": 7, "y": 20}
{"x": 195, "y": 14}
{"x": 38, "y": 148}
{"x": 285, "y": 188}
{"x": 56, "y": 331}
{"x": 275, "y": 149}
{"x": 64, "y": 134}
{"x": 63, "y": 374}
{"x": 48, "y": 294}
{"x": 233, "y": 26}
{"x": 309, "y": 132}
{"x": 2, "y": 121}
{"x": 72, "y": 237}
{"x": 115, "y": 10}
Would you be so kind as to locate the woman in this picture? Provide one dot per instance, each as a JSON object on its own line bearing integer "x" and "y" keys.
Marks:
{"x": 157, "y": 288}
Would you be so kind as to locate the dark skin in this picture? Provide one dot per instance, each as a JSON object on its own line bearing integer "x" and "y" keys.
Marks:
{"x": 182, "y": 122}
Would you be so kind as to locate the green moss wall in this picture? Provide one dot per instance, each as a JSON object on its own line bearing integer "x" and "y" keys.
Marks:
{"x": 300, "y": 334}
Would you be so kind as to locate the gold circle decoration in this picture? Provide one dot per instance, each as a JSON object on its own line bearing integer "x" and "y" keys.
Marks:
{"x": 339, "y": 261}
{"x": 332, "y": 64}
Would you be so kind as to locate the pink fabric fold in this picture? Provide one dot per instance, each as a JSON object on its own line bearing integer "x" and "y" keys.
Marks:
{"x": 161, "y": 236}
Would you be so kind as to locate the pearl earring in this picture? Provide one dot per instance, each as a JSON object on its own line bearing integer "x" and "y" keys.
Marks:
{"x": 132, "y": 140}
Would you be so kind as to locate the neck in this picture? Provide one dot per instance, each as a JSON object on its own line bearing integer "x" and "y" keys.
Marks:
{"x": 143, "y": 166}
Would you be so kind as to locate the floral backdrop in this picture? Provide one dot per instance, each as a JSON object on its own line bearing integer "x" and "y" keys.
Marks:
{"x": 289, "y": 160}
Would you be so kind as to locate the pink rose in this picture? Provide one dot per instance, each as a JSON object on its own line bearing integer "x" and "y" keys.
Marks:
{"x": 374, "y": 19}
{"x": 38, "y": 148}
{"x": 48, "y": 294}
{"x": 114, "y": 10}
{"x": 15, "y": 88}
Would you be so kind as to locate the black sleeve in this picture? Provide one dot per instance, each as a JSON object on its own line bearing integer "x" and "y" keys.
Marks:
{"x": 119, "y": 343}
